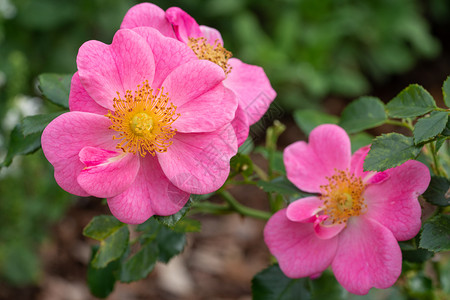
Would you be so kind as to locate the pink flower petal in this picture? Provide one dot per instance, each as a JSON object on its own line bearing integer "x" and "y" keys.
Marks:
{"x": 304, "y": 209}
{"x": 107, "y": 173}
{"x": 252, "y": 87}
{"x": 327, "y": 231}
{"x": 368, "y": 256}
{"x": 79, "y": 99}
{"x": 148, "y": 15}
{"x": 105, "y": 70}
{"x": 63, "y": 139}
{"x": 168, "y": 53}
{"x": 203, "y": 103}
{"x": 184, "y": 25}
{"x": 394, "y": 202}
{"x": 150, "y": 194}
{"x": 307, "y": 165}
{"x": 211, "y": 34}
{"x": 296, "y": 247}
{"x": 199, "y": 163}
{"x": 240, "y": 125}
{"x": 357, "y": 162}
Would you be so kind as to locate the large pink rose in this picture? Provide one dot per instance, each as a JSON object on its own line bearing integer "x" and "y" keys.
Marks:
{"x": 149, "y": 124}
{"x": 248, "y": 82}
{"x": 354, "y": 223}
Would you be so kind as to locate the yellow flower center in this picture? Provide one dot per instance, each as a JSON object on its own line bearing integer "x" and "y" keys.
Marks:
{"x": 215, "y": 53}
{"x": 342, "y": 197}
{"x": 143, "y": 120}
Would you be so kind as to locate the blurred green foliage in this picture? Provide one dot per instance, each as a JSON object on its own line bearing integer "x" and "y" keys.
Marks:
{"x": 308, "y": 48}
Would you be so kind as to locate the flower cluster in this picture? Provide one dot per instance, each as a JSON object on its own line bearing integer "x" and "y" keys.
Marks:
{"x": 157, "y": 115}
{"x": 150, "y": 122}
{"x": 356, "y": 219}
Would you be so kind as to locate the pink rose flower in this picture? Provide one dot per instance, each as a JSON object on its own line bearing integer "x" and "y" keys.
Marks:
{"x": 248, "y": 82}
{"x": 354, "y": 223}
{"x": 149, "y": 124}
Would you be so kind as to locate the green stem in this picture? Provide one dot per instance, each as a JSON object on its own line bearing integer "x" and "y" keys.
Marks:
{"x": 242, "y": 209}
{"x": 399, "y": 123}
{"x": 435, "y": 165}
{"x": 260, "y": 172}
{"x": 211, "y": 208}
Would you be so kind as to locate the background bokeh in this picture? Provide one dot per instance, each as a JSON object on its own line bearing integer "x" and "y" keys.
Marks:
{"x": 313, "y": 52}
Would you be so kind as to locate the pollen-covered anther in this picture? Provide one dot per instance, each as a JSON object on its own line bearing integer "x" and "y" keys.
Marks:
{"x": 215, "y": 53}
{"x": 342, "y": 197}
{"x": 143, "y": 120}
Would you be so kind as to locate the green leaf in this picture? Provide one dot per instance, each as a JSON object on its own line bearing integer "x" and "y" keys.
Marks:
{"x": 242, "y": 164}
{"x": 427, "y": 128}
{"x": 440, "y": 141}
{"x": 101, "y": 281}
{"x": 435, "y": 194}
{"x": 56, "y": 88}
{"x": 21, "y": 145}
{"x": 327, "y": 287}
{"x": 172, "y": 220}
{"x": 283, "y": 186}
{"x": 413, "y": 101}
{"x": 272, "y": 284}
{"x": 37, "y": 123}
{"x": 446, "y": 91}
{"x": 363, "y": 113}
{"x": 436, "y": 234}
{"x": 169, "y": 242}
{"x": 412, "y": 253}
{"x": 308, "y": 119}
{"x": 139, "y": 265}
{"x": 390, "y": 150}
{"x": 113, "y": 236}
{"x": 188, "y": 225}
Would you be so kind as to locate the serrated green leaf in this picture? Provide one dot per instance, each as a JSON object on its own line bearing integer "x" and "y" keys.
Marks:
{"x": 436, "y": 234}
{"x": 435, "y": 194}
{"x": 283, "y": 186}
{"x": 308, "y": 119}
{"x": 363, "y": 113}
{"x": 140, "y": 264}
{"x": 412, "y": 253}
{"x": 101, "y": 281}
{"x": 56, "y": 88}
{"x": 37, "y": 123}
{"x": 113, "y": 236}
{"x": 446, "y": 91}
{"x": 427, "y": 128}
{"x": 390, "y": 150}
{"x": 440, "y": 141}
{"x": 21, "y": 145}
{"x": 242, "y": 164}
{"x": 413, "y": 101}
{"x": 272, "y": 284}
{"x": 172, "y": 220}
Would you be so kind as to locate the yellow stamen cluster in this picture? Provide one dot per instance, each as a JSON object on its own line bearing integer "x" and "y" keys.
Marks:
{"x": 342, "y": 197}
{"x": 143, "y": 120}
{"x": 215, "y": 53}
